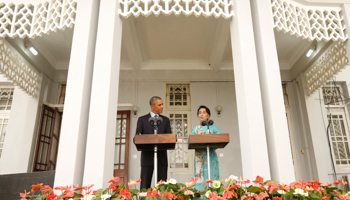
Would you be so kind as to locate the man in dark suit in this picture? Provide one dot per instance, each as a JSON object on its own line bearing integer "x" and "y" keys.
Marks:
{"x": 147, "y": 157}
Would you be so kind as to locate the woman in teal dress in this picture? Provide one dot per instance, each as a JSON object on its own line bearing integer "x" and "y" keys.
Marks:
{"x": 200, "y": 159}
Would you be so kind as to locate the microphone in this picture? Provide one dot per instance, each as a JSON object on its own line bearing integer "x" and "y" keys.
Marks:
{"x": 210, "y": 122}
{"x": 151, "y": 121}
{"x": 203, "y": 122}
{"x": 159, "y": 121}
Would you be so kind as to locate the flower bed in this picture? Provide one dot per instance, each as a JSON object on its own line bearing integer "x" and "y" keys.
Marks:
{"x": 231, "y": 188}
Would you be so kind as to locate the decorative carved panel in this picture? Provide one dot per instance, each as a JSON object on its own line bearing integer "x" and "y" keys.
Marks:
{"x": 28, "y": 20}
{"x": 207, "y": 8}
{"x": 308, "y": 22}
{"x": 13, "y": 67}
{"x": 328, "y": 65}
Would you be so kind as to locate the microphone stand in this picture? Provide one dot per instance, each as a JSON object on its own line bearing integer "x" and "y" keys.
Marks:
{"x": 208, "y": 159}
{"x": 155, "y": 159}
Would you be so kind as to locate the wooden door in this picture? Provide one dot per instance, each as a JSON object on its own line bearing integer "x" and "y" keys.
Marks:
{"x": 48, "y": 138}
{"x": 121, "y": 155}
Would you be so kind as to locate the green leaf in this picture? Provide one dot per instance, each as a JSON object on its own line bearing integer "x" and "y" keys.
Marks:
{"x": 41, "y": 197}
{"x": 314, "y": 196}
{"x": 255, "y": 189}
{"x": 99, "y": 193}
{"x": 270, "y": 181}
{"x": 287, "y": 197}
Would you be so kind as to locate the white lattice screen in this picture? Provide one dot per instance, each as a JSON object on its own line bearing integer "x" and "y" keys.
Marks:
{"x": 207, "y": 8}
{"x": 28, "y": 20}
{"x": 328, "y": 65}
{"x": 13, "y": 67}
{"x": 309, "y": 22}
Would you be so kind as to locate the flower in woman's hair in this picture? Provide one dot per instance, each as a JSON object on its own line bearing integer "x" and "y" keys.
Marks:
{"x": 216, "y": 184}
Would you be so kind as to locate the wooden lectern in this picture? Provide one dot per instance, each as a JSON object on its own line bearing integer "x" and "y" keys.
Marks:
{"x": 146, "y": 142}
{"x": 155, "y": 142}
{"x": 215, "y": 141}
{"x": 208, "y": 141}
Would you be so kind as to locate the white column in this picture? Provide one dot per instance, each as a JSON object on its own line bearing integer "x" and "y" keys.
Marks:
{"x": 71, "y": 151}
{"x": 280, "y": 155}
{"x": 255, "y": 160}
{"x": 99, "y": 160}
{"x": 316, "y": 119}
{"x": 346, "y": 15}
{"x": 21, "y": 133}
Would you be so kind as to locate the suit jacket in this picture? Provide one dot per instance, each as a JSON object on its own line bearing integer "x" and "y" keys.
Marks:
{"x": 143, "y": 127}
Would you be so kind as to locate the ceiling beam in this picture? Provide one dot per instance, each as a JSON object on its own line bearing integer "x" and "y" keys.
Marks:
{"x": 218, "y": 45}
{"x": 132, "y": 43}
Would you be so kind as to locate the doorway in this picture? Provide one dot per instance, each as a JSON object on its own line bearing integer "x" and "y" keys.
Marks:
{"x": 121, "y": 154}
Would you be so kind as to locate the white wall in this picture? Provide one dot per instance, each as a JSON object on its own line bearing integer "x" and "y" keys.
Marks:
{"x": 202, "y": 93}
{"x": 21, "y": 135}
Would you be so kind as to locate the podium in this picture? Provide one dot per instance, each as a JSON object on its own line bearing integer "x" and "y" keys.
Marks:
{"x": 215, "y": 141}
{"x": 146, "y": 142}
{"x": 155, "y": 142}
{"x": 208, "y": 141}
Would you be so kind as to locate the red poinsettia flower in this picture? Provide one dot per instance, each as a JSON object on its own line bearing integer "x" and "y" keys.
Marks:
{"x": 68, "y": 194}
{"x": 132, "y": 183}
{"x": 36, "y": 187}
{"x": 194, "y": 179}
{"x": 168, "y": 195}
{"x": 51, "y": 197}
{"x": 272, "y": 186}
{"x": 24, "y": 194}
{"x": 179, "y": 198}
{"x": 114, "y": 179}
{"x": 124, "y": 194}
{"x": 258, "y": 179}
{"x": 341, "y": 196}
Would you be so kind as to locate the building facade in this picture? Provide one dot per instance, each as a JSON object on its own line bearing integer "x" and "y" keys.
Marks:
{"x": 286, "y": 113}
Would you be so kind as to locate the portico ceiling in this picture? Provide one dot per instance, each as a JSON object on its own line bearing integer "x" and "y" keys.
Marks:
{"x": 165, "y": 42}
